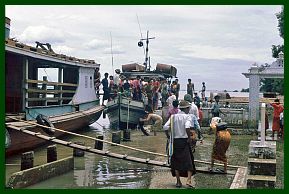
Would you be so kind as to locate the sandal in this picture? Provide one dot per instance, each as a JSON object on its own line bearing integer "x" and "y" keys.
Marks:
{"x": 190, "y": 185}
{"x": 179, "y": 185}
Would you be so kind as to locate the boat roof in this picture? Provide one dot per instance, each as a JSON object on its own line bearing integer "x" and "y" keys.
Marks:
{"x": 39, "y": 53}
{"x": 146, "y": 75}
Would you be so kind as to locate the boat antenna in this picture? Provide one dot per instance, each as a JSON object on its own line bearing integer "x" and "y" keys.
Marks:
{"x": 140, "y": 44}
{"x": 111, "y": 53}
{"x": 140, "y": 32}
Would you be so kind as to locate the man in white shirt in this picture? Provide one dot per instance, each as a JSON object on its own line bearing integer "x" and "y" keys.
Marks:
{"x": 116, "y": 78}
{"x": 180, "y": 152}
{"x": 170, "y": 100}
{"x": 193, "y": 109}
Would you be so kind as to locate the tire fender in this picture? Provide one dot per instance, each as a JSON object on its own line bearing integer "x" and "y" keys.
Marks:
{"x": 44, "y": 120}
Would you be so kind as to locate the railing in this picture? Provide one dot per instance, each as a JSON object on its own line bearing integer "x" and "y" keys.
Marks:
{"x": 42, "y": 93}
{"x": 234, "y": 117}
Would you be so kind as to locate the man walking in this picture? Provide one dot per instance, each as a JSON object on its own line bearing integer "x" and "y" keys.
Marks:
{"x": 181, "y": 157}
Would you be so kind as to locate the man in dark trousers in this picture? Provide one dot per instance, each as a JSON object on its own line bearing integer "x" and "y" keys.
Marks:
{"x": 106, "y": 90}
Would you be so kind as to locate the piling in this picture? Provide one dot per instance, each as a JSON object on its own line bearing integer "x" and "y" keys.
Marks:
{"x": 51, "y": 153}
{"x": 99, "y": 144}
{"x": 126, "y": 135}
{"x": 116, "y": 136}
{"x": 27, "y": 160}
{"x": 78, "y": 152}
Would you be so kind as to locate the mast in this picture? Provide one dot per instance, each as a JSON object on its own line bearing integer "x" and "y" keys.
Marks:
{"x": 140, "y": 44}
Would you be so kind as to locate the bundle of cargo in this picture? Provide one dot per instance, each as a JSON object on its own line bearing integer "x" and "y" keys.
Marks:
{"x": 132, "y": 67}
{"x": 166, "y": 69}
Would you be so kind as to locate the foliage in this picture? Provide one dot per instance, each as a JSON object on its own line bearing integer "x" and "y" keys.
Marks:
{"x": 272, "y": 85}
{"x": 245, "y": 90}
{"x": 269, "y": 84}
{"x": 280, "y": 17}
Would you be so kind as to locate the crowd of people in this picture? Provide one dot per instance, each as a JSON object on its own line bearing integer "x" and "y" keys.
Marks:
{"x": 184, "y": 118}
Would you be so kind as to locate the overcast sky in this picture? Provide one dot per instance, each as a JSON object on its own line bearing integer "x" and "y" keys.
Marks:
{"x": 214, "y": 44}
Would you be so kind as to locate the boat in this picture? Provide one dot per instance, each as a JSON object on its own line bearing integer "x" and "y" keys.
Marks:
{"x": 124, "y": 112}
{"x": 69, "y": 104}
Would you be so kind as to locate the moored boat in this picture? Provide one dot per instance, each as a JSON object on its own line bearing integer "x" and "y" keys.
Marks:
{"x": 69, "y": 104}
{"x": 124, "y": 112}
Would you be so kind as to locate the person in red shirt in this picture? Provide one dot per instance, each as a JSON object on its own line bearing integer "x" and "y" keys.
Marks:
{"x": 278, "y": 108}
{"x": 200, "y": 114}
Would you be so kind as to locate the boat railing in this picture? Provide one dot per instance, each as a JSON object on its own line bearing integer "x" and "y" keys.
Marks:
{"x": 43, "y": 93}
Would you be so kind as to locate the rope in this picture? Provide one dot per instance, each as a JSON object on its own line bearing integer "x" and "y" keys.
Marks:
{"x": 128, "y": 147}
{"x": 88, "y": 137}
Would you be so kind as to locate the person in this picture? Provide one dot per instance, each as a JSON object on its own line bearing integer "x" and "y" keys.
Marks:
{"x": 170, "y": 100}
{"x": 278, "y": 108}
{"x": 157, "y": 121}
{"x": 193, "y": 107}
{"x": 194, "y": 111}
{"x": 190, "y": 87}
{"x": 136, "y": 87}
{"x": 174, "y": 109}
{"x": 227, "y": 105}
{"x": 281, "y": 134}
{"x": 203, "y": 91}
{"x": 148, "y": 92}
{"x": 97, "y": 80}
{"x": 200, "y": 114}
{"x": 178, "y": 87}
{"x": 197, "y": 99}
{"x": 164, "y": 92}
{"x": 221, "y": 145}
{"x": 116, "y": 77}
{"x": 180, "y": 154}
{"x": 216, "y": 107}
{"x": 106, "y": 90}
{"x": 126, "y": 88}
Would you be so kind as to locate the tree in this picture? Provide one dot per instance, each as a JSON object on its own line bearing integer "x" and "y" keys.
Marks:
{"x": 269, "y": 84}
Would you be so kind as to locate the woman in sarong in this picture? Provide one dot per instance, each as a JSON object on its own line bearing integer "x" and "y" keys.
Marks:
{"x": 278, "y": 108}
{"x": 221, "y": 145}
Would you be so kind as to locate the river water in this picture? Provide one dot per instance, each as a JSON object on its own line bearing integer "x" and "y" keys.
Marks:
{"x": 95, "y": 171}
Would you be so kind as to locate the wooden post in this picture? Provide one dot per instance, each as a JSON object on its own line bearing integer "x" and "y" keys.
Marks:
{"x": 27, "y": 160}
{"x": 99, "y": 144}
{"x": 44, "y": 87}
{"x": 116, "y": 136}
{"x": 60, "y": 80}
{"x": 126, "y": 135}
{"x": 51, "y": 153}
{"x": 78, "y": 152}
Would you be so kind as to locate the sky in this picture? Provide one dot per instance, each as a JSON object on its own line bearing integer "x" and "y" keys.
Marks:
{"x": 211, "y": 44}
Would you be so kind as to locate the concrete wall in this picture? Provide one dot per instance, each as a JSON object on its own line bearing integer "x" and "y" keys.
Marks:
{"x": 40, "y": 173}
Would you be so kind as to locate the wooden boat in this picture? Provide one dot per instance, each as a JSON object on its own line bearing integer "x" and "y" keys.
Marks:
{"x": 125, "y": 112}
{"x": 69, "y": 104}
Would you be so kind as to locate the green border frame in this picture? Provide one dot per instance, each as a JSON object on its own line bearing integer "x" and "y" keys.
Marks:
{"x": 132, "y": 2}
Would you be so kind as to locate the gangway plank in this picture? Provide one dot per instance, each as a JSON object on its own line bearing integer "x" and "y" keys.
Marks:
{"x": 102, "y": 152}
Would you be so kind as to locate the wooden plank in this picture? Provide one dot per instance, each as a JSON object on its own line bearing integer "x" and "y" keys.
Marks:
{"x": 48, "y": 99}
{"x": 50, "y": 83}
{"x": 262, "y": 178}
{"x": 50, "y": 91}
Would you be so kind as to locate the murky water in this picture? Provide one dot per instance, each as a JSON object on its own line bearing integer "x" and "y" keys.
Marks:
{"x": 95, "y": 171}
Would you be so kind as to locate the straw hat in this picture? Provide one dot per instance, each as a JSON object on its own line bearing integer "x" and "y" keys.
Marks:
{"x": 184, "y": 104}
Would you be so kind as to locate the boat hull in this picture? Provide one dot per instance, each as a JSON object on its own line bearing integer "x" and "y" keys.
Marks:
{"x": 124, "y": 113}
{"x": 21, "y": 142}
